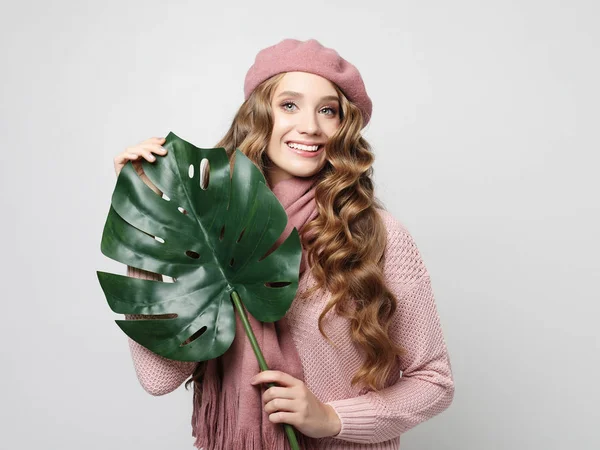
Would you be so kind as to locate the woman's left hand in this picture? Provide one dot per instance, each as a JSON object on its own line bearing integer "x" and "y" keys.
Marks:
{"x": 292, "y": 402}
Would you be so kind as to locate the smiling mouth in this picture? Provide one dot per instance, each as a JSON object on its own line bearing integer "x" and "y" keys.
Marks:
{"x": 305, "y": 148}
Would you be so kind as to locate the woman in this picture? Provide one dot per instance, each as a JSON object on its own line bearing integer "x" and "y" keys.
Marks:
{"x": 360, "y": 357}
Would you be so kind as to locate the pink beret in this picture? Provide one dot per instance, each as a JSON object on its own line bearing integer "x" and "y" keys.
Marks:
{"x": 291, "y": 55}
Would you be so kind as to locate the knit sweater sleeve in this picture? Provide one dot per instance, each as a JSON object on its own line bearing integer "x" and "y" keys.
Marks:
{"x": 425, "y": 386}
{"x": 157, "y": 374}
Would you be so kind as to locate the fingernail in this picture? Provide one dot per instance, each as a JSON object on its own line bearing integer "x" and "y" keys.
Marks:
{"x": 152, "y": 158}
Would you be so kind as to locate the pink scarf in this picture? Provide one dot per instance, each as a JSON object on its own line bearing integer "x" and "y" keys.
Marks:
{"x": 228, "y": 411}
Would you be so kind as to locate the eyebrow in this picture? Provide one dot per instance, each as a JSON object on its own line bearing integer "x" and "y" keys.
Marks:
{"x": 298, "y": 94}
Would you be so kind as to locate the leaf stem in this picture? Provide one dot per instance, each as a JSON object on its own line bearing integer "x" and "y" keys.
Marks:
{"x": 289, "y": 430}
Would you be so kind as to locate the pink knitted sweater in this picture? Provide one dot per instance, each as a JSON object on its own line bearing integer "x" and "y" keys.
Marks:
{"x": 370, "y": 420}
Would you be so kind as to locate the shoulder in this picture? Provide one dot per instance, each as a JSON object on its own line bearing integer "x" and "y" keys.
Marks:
{"x": 403, "y": 261}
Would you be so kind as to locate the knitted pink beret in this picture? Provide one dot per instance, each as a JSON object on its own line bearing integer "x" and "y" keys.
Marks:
{"x": 291, "y": 55}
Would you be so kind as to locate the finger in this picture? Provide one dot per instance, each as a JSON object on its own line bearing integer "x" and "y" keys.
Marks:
{"x": 152, "y": 140}
{"x": 156, "y": 148}
{"x": 277, "y": 392}
{"x": 150, "y": 149}
{"x": 280, "y": 404}
{"x": 122, "y": 158}
{"x": 147, "y": 154}
{"x": 284, "y": 417}
{"x": 275, "y": 376}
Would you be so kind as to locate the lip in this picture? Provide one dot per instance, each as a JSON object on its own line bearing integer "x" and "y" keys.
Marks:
{"x": 304, "y": 142}
{"x": 303, "y": 153}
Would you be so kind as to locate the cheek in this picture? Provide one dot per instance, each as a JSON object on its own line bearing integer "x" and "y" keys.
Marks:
{"x": 333, "y": 126}
{"x": 329, "y": 126}
{"x": 282, "y": 122}
{"x": 280, "y": 128}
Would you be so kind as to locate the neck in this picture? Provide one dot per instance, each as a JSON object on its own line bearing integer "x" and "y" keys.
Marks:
{"x": 276, "y": 176}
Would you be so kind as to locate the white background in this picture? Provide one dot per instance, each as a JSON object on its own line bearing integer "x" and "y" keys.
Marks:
{"x": 485, "y": 134}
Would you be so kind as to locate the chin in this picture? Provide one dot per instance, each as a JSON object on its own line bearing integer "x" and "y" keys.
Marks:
{"x": 304, "y": 173}
{"x": 300, "y": 168}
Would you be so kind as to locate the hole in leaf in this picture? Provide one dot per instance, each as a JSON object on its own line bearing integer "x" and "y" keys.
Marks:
{"x": 231, "y": 262}
{"x": 194, "y": 336}
{"x": 161, "y": 240}
{"x": 277, "y": 284}
{"x": 222, "y": 233}
{"x": 204, "y": 173}
{"x": 155, "y": 316}
{"x": 192, "y": 254}
{"x": 271, "y": 250}
{"x": 241, "y": 234}
{"x": 191, "y": 171}
{"x": 181, "y": 210}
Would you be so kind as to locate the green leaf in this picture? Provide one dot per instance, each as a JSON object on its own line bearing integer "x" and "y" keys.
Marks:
{"x": 212, "y": 242}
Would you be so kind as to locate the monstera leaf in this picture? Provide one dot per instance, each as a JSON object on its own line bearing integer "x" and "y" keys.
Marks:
{"x": 210, "y": 238}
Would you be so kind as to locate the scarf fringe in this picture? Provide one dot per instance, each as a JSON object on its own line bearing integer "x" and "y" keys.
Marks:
{"x": 250, "y": 439}
{"x": 207, "y": 412}
{"x": 226, "y": 434}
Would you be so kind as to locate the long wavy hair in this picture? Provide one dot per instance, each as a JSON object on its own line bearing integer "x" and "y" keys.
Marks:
{"x": 345, "y": 243}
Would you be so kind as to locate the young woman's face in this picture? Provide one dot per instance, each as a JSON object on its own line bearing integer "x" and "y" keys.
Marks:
{"x": 306, "y": 112}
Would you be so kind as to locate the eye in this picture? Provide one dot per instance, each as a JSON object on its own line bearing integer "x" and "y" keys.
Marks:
{"x": 331, "y": 111}
{"x": 286, "y": 104}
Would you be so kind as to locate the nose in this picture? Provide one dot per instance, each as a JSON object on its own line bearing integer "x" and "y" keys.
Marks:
{"x": 308, "y": 123}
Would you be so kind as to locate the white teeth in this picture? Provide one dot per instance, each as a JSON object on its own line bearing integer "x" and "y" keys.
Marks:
{"x": 307, "y": 148}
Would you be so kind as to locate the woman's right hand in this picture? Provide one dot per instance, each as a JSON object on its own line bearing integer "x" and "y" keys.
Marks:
{"x": 134, "y": 154}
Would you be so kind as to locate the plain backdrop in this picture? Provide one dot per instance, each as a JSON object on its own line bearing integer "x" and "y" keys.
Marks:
{"x": 485, "y": 133}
